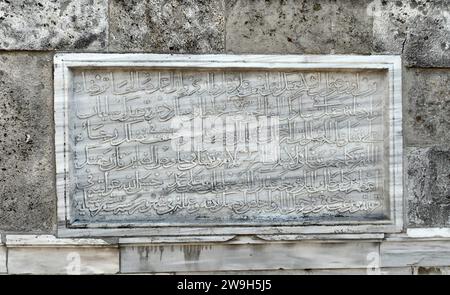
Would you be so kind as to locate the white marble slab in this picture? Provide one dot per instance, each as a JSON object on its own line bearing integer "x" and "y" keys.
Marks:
{"x": 314, "y": 272}
{"x": 318, "y": 150}
{"x": 63, "y": 260}
{"x": 428, "y": 232}
{"x": 3, "y": 268}
{"x": 415, "y": 253}
{"x": 220, "y": 257}
{"x": 50, "y": 241}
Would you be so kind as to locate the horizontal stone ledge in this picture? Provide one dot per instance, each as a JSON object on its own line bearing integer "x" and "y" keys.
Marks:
{"x": 407, "y": 270}
{"x": 434, "y": 232}
{"x": 47, "y": 254}
{"x": 323, "y": 237}
{"x": 416, "y": 234}
{"x": 336, "y": 271}
{"x": 52, "y": 241}
{"x": 249, "y": 239}
{"x": 423, "y": 234}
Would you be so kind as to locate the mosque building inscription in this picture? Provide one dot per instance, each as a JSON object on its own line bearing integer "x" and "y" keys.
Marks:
{"x": 185, "y": 145}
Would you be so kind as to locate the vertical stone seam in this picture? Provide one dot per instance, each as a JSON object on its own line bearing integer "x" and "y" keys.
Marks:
{"x": 380, "y": 259}
{"x": 108, "y": 24}
{"x": 224, "y": 11}
{"x": 3, "y": 241}
{"x": 333, "y": 16}
{"x": 119, "y": 247}
{"x": 6, "y": 254}
{"x": 54, "y": 226}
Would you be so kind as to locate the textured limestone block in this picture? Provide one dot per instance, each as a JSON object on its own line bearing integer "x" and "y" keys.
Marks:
{"x": 53, "y": 24}
{"x": 427, "y": 102}
{"x": 428, "y": 187}
{"x": 419, "y": 29}
{"x": 63, "y": 260}
{"x": 433, "y": 270}
{"x": 212, "y": 257}
{"x": 298, "y": 26}
{"x": 27, "y": 172}
{"x": 167, "y": 26}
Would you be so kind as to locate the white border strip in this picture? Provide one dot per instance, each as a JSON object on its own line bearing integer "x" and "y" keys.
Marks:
{"x": 65, "y": 61}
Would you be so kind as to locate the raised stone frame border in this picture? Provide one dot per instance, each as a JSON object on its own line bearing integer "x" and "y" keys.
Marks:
{"x": 64, "y": 62}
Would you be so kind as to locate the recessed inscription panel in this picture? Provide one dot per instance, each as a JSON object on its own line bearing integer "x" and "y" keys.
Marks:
{"x": 183, "y": 146}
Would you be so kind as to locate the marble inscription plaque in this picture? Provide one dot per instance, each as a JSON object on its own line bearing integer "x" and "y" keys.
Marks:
{"x": 192, "y": 145}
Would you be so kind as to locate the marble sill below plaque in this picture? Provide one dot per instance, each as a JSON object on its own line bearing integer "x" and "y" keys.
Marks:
{"x": 251, "y": 239}
{"x": 30, "y": 254}
{"x": 416, "y": 234}
{"x": 53, "y": 241}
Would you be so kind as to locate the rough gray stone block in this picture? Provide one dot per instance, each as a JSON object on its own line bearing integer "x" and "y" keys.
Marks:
{"x": 298, "y": 26}
{"x": 427, "y": 103}
{"x": 419, "y": 29}
{"x": 167, "y": 26}
{"x": 53, "y": 24}
{"x": 27, "y": 170}
{"x": 428, "y": 184}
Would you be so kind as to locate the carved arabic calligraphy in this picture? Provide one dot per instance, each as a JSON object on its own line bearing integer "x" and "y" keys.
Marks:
{"x": 223, "y": 146}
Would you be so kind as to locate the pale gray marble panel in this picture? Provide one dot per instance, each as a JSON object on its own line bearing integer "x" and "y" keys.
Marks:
{"x": 63, "y": 260}
{"x": 3, "y": 255}
{"x": 415, "y": 253}
{"x": 314, "y": 272}
{"x": 212, "y": 257}
{"x": 286, "y": 147}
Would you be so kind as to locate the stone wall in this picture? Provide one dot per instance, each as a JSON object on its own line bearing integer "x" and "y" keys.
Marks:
{"x": 32, "y": 31}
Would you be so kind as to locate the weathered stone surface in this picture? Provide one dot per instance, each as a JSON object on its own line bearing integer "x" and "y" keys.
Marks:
{"x": 316, "y": 27}
{"x": 53, "y": 24}
{"x": 428, "y": 187}
{"x": 167, "y": 26}
{"x": 27, "y": 173}
{"x": 419, "y": 29}
{"x": 428, "y": 232}
{"x": 50, "y": 240}
{"x": 424, "y": 254}
{"x": 220, "y": 257}
{"x": 433, "y": 270}
{"x": 427, "y": 105}
{"x": 63, "y": 260}
{"x": 153, "y": 202}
